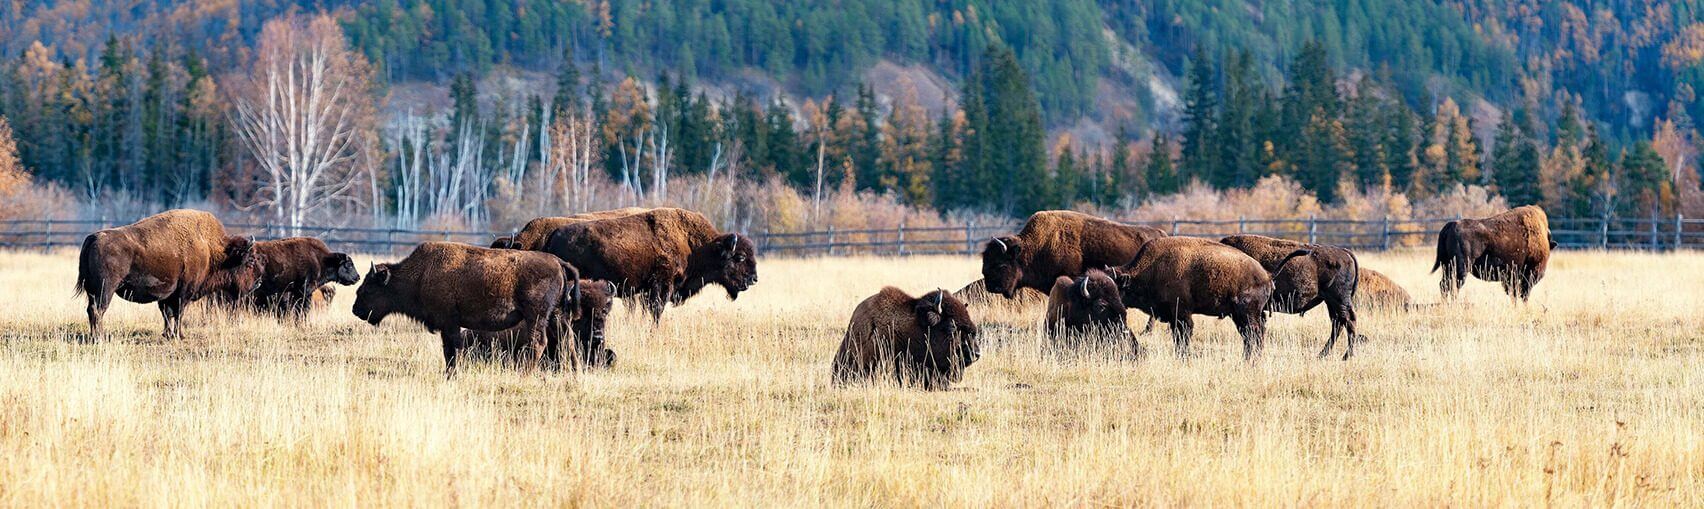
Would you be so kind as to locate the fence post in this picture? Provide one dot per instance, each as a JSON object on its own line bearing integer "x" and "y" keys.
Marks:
{"x": 1654, "y": 245}
{"x": 900, "y": 248}
{"x": 1679, "y": 224}
{"x": 47, "y": 236}
{"x": 831, "y": 240}
{"x": 1384, "y": 235}
{"x": 969, "y": 245}
{"x": 1603, "y": 232}
{"x": 1313, "y": 229}
{"x": 1242, "y": 224}
{"x": 1174, "y": 226}
{"x": 390, "y": 240}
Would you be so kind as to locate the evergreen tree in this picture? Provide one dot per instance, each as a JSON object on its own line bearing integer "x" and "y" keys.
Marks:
{"x": 1122, "y": 179}
{"x": 1067, "y": 177}
{"x": 867, "y": 147}
{"x": 1016, "y": 158}
{"x": 1160, "y": 171}
{"x": 1516, "y": 164}
{"x": 1238, "y": 152}
{"x": 1200, "y": 109}
{"x": 1642, "y": 184}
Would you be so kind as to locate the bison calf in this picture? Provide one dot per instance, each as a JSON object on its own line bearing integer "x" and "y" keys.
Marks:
{"x": 297, "y": 267}
{"x": 926, "y": 341}
{"x": 1086, "y": 305}
{"x": 1306, "y": 275}
{"x": 448, "y": 287}
{"x": 1379, "y": 291}
{"x": 1512, "y": 248}
{"x": 173, "y": 258}
{"x": 588, "y": 324}
{"x": 1174, "y": 278}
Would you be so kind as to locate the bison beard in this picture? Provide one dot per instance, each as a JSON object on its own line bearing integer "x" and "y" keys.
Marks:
{"x": 661, "y": 256}
{"x": 448, "y": 287}
{"x": 1175, "y": 278}
{"x": 173, "y": 258}
{"x": 1306, "y": 275}
{"x": 1087, "y": 305}
{"x": 1512, "y": 248}
{"x": 926, "y": 341}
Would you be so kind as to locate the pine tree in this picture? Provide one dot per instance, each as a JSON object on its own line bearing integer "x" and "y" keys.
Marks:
{"x": 1122, "y": 179}
{"x": 1200, "y": 109}
{"x": 1238, "y": 152}
{"x": 1160, "y": 171}
{"x": 1516, "y": 164}
{"x": 1016, "y": 155}
{"x": 867, "y": 146}
{"x": 1643, "y": 183}
{"x": 1066, "y": 177}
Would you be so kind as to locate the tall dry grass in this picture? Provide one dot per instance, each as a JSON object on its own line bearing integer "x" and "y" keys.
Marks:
{"x": 1589, "y": 396}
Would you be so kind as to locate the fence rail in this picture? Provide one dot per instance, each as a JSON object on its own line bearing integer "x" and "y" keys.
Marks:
{"x": 1676, "y": 232}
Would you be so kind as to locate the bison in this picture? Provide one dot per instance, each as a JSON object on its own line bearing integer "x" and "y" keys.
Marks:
{"x": 173, "y": 258}
{"x": 1174, "y": 278}
{"x": 1511, "y": 248}
{"x": 1305, "y": 275}
{"x": 295, "y": 268}
{"x": 1057, "y": 243}
{"x": 663, "y": 255}
{"x": 927, "y": 341}
{"x": 448, "y": 287}
{"x": 1379, "y": 291}
{"x": 587, "y": 323}
{"x": 531, "y": 237}
{"x": 322, "y": 297}
{"x": 1084, "y": 305}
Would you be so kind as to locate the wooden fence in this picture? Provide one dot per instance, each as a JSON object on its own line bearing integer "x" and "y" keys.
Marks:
{"x": 1584, "y": 233}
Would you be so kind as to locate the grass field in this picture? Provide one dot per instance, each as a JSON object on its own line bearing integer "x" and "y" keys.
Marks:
{"x": 1591, "y": 395}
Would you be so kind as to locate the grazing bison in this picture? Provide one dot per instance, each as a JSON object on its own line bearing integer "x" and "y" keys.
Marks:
{"x": 926, "y": 341}
{"x": 173, "y": 258}
{"x": 1379, "y": 291}
{"x": 663, "y": 255}
{"x": 1057, "y": 243}
{"x": 296, "y": 267}
{"x": 1086, "y": 305}
{"x": 588, "y": 324}
{"x": 448, "y": 287}
{"x": 1174, "y": 278}
{"x": 532, "y": 236}
{"x": 1511, "y": 248}
{"x": 1305, "y": 275}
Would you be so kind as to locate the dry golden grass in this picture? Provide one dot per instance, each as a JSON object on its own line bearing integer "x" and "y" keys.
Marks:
{"x": 1589, "y": 396}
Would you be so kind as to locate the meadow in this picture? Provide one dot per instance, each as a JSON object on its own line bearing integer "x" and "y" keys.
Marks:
{"x": 1590, "y": 395}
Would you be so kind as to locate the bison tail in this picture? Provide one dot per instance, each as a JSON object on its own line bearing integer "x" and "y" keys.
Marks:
{"x": 571, "y": 294}
{"x": 1448, "y": 238}
{"x": 89, "y": 278}
{"x": 1291, "y": 256}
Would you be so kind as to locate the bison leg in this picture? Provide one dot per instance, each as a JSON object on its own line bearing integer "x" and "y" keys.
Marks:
{"x": 452, "y": 337}
{"x": 1251, "y": 324}
{"x": 1455, "y": 273}
{"x": 171, "y": 309}
{"x": 98, "y": 302}
{"x": 535, "y": 343}
{"x": 1343, "y": 311}
{"x": 1182, "y": 327}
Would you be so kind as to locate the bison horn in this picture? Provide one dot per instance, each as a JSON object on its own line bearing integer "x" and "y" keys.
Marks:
{"x": 1002, "y": 244}
{"x": 940, "y": 299}
{"x": 1085, "y": 285}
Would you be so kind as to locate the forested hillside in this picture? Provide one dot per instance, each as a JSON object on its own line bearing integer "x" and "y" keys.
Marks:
{"x": 1584, "y": 106}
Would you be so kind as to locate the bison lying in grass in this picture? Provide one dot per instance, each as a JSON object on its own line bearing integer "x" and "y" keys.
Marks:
{"x": 662, "y": 255}
{"x": 1306, "y": 275}
{"x": 1512, "y": 248}
{"x": 1175, "y": 278}
{"x": 1087, "y": 305}
{"x": 926, "y": 341}
{"x": 448, "y": 287}
{"x": 173, "y": 258}
{"x": 1379, "y": 291}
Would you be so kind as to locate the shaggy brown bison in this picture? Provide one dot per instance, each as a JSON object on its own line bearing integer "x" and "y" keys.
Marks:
{"x": 173, "y": 258}
{"x": 1174, "y": 278}
{"x": 532, "y": 236}
{"x": 1086, "y": 305}
{"x": 588, "y": 324}
{"x": 1511, "y": 248}
{"x": 1379, "y": 291}
{"x": 663, "y": 255}
{"x": 295, "y": 268}
{"x": 1306, "y": 275}
{"x": 926, "y": 341}
{"x": 449, "y": 286}
{"x": 1057, "y": 243}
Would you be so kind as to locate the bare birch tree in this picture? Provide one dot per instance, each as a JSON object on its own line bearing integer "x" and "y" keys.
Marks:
{"x": 305, "y": 112}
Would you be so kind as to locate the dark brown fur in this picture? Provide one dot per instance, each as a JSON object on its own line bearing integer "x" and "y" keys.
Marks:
{"x": 1057, "y": 243}
{"x": 449, "y": 286}
{"x": 1175, "y": 278}
{"x": 926, "y": 341}
{"x": 1086, "y": 305}
{"x": 1306, "y": 275}
{"x": 662, "y": 256}
{"x": 532, "y": 236}
{"x": 1379, "y": 291}
{"x": 173, "y": 258}
{"x": 1512, "y": 248}
{"x": 295, "y": 268}
{"x": 588, "y": 324}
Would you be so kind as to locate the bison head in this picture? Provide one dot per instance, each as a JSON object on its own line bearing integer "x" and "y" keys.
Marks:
{"x": 375, "y": 298}
{"x": 735, "y": 267}
{"x": 950, "y": 340}
{"x": 596, "y": 299}
{"x": 504, "y": 243}
{"x": 341, "y": 268}
{"x": 1093, "y": 300}
{"x": 1001, "y": 268}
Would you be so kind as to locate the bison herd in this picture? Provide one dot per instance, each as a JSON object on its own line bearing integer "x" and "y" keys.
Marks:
{"x": 542, "y": 296}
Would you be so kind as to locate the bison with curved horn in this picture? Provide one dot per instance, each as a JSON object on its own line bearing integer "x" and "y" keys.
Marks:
{"x": 1305, "y": 276}
{"x": 448, "y": 286}
{"x": 927, "y": 341}
{"x": 662, "y": 256}
{"x": 1086, "y": 305}
{"x": 172, "y": 258}
{"x": 1175, "y": 278}
{"x": 1511, "y": 248}
{"x": 1057, "y": 243}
